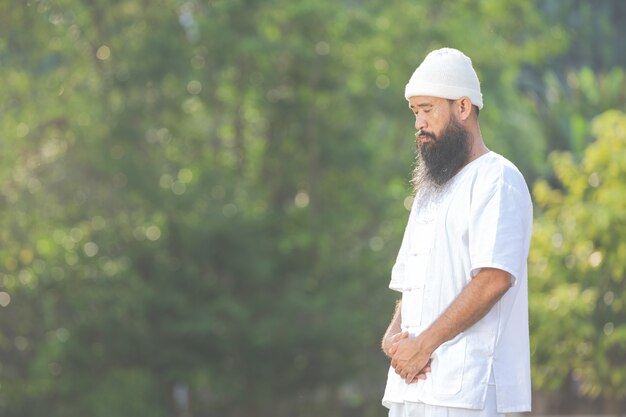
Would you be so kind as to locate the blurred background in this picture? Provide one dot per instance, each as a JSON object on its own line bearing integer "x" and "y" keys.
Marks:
{"x": 202, "y": 200}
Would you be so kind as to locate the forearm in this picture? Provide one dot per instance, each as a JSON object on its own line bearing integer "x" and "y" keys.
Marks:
{"x": 395, "y": 326}
{"x": 472, "y": 304}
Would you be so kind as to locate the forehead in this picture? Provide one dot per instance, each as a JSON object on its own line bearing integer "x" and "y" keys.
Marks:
{"x": 416, "y": 102}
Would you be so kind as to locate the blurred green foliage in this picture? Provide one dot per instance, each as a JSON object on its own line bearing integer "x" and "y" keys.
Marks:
{"x": 577, "y": 257}
{"x": 202, "y": 199}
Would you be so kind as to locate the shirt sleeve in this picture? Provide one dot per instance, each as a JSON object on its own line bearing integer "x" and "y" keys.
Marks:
{"x": 500, "y": 224}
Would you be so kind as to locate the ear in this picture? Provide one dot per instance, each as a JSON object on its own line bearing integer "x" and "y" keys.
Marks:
{"x": 464, "y": 108}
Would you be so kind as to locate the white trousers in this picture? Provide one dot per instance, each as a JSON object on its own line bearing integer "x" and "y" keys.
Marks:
{"x": 411, "y": 409}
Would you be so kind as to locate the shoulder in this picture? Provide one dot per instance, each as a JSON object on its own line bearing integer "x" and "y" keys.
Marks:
{"x": 494, "y": 169}
{"x": 494, "y": 174}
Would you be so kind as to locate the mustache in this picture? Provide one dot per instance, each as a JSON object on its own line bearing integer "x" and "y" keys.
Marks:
{"x": 420, "y": 132}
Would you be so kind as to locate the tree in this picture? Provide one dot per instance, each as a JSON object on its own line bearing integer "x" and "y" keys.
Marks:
{"x": 580, "y": 80}
{"x": 578, "y": 270}
{"x": 211, "y": 194}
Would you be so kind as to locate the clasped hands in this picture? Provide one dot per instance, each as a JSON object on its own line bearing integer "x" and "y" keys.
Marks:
{"x": 408, "y": 358}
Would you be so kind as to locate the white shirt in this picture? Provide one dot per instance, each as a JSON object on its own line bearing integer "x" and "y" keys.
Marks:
{"x": 482, "y": 219}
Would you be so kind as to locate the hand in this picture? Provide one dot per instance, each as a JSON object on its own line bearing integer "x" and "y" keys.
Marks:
{"x": 422, "y": 374}
{"x": 391, "y": 341}
{"x": 410, "y": 359}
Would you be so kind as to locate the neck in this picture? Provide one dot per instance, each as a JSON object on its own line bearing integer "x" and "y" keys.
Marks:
{"x": 478, "y": 147}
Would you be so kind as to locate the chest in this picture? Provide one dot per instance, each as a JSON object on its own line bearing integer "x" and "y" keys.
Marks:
{"x": 444, "y": 220}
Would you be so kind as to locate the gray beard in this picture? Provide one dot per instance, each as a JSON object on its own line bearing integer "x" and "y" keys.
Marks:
{"x": 426, "y": 190}
{"x": 439, "y": 161}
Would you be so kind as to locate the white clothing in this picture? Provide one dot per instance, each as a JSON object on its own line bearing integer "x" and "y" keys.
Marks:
{"x": 482, "y": 219}
{"x": 410, "y": 409}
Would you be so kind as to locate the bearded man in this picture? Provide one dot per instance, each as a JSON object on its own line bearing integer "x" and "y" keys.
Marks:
{"x": 458, "y": 340}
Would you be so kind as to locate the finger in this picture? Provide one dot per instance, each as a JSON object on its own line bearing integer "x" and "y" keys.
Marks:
{"x": 389, "y": 343}
{"x": 396, "y": 345}
{"x": 408, "y": 375}
{"x": 411, "y": 376}
{"x": 396, "y": 337}
{"x": 422, "y": 374}
{"x": 418, "y": 377}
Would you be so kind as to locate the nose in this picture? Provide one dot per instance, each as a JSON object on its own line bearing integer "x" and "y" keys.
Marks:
{"x": 420, "y": 124}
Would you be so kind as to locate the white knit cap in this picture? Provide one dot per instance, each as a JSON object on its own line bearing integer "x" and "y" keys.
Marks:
{"x": 445, "y": 73}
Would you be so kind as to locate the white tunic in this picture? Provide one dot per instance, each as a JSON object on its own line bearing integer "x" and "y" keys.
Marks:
{"x": 483, "y": 219}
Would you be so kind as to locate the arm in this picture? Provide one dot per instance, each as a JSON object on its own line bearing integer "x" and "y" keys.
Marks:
{"x": 473, "y": 303}
{"x": 393, "y": 330}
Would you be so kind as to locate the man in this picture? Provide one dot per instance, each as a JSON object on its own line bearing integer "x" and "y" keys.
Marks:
{"x": 458, "y": 341}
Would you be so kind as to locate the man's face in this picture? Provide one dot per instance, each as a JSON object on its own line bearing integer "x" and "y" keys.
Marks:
{"x": 442, "y": 142}
{"x": 432, "y": 115}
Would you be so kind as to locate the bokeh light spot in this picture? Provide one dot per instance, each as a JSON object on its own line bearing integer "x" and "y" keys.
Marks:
{"x": 103, "y": 53}
{"x": 594, "y": 180}
{"x": 179, "y": 188}
{"x": 153, "y": 233}
{"x": 5, "y": 299}
{"x": 381, "y": 65}
{"x": 322, "y": 48}
{"x": 21, "y": 343}
{"x": 194, "y": 87}
{"x": 185, "y": 175}
{"x": 382, "y": 81}
{"x": 98, "y": 222}
{"x": 408, "y": 202}
{"x": 595, "y": 259}
{"x": 91, "y": 249}
{"x": 301, "y": 200}
{"x": 76, "y": 234}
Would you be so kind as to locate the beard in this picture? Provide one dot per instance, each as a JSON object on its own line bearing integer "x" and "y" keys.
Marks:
{"x": 440, "y": 159}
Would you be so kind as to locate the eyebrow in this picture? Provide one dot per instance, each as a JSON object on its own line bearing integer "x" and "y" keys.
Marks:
{"x": 422, "y": 105}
